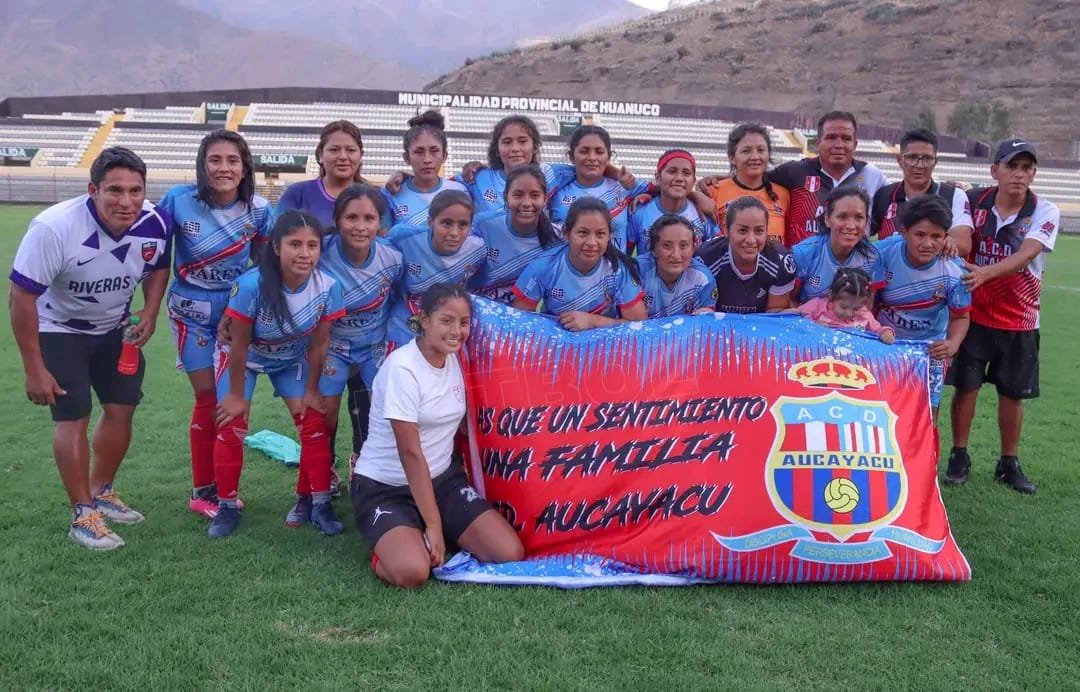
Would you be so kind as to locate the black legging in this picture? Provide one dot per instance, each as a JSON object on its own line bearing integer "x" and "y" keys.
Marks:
{"x": 359, "y": 404}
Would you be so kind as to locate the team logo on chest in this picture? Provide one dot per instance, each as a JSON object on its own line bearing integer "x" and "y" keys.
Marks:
{"x": 491, "y": 196}
{"x": 568, "y": 199}
{"x": 813, "y": 183}
{"x": 190, "y": 229}
{"x": 979, "y": 217}
{"x": 413, "y": 269}
{"x": 401, "y": 210}
{"x": 890, "y": 213}
{"x": 557, "y": 293}
{"x": 149, "y": 249}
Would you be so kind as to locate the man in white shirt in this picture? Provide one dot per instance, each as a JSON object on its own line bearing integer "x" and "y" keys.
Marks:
{"x": 74, "y": 276}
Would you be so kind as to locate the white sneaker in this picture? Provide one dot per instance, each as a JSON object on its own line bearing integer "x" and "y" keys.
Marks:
{"x": 91, "y": 531}
{"x": 114, "y": 508}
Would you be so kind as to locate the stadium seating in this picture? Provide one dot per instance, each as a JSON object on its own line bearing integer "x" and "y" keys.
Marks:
{"x": 483, "y": 120}
{"x": 169, "y": 114}
{"x": 638, "y": 141}
{"x": 98, "y": 116}
{"x": 366, "y": 116}
{"x": 60, "y": 146}
{"x": 168, "y": 149}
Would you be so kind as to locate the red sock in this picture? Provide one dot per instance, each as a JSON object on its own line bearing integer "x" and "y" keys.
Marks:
{"x": 315, "y": 456}
{"x": 202, "y": 435}
{"x": 229, "y": 457}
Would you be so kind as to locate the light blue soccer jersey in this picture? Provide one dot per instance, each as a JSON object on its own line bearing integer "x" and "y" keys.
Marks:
{"x": 606, "y": 290}
{"x": 410, "y": 206}
{"x": 917, "y": 301}
{"x": 424, "y": 267}
{"x": 694, "y": 289}
{"x": 641, "y": 221}
{"x": 275, "y": 344}
{"x": 610, "y": 191}
{"x": 507, "y": 256}
{"x": 212, "y": 245}
{"x": 489, "y": 184}
{"x": 817, "y": 266}
{"x": 367, "y": 291}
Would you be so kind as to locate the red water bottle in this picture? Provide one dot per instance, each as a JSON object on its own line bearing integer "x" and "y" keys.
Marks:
{"x": 129, "y": 352}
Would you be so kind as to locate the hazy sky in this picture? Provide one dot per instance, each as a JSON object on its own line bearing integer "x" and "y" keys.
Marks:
{"x": 651, "y": 4}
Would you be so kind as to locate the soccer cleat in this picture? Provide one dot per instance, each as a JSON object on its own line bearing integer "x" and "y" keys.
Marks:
{"x": 114, "y": 508}
{"x": 224, "y": 523}
{"x": 91, "y": 531}
{"x": 204, "y": 501}
{"x": 1008, "y": 471}
{"x": 959, "y": 468}
{"x": 300, "y": 513}
{"x": 323, "y": 518}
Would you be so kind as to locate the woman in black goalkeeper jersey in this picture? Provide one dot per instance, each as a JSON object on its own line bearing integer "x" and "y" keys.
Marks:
{"x": 752, "y": 274}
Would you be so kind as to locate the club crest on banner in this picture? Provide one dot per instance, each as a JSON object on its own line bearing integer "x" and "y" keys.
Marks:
{"x": 835, "y": 472}
{"x": 835, "y": 465}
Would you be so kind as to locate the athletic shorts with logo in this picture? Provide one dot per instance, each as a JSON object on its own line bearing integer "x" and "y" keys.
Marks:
{"x": 194, "y": 314}
{"x": 1008, "y": 359}
{"x": 288, "y": 378}
{"x": 378, "y": 507}
{"x": 345, "y": 360}
{"x": 81, "y": 362}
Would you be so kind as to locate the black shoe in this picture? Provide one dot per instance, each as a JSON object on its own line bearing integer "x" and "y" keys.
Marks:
{"x": 959, "y": 468}
{"x": 1008, "y": 471}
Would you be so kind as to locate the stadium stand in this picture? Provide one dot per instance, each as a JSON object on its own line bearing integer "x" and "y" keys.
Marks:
{"x": 483, "y": 120}
{"x": 169, "y": 114}
{"x": 279, "y": 127}
{"x": 99, "y": 116}
{"x": 366, "y": 116}
{"x": 58, "y": 146}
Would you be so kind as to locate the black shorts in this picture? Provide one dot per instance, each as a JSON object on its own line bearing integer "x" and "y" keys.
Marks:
{"x": 1008, "y": 359}
{"x": 378, "y": 507}
{"x": 80, "y": 362}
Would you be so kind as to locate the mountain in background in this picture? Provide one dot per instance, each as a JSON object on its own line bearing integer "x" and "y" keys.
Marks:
{"x": 59, "y": 47}
{"x": 430, "y": 36}
{"x": 55, "y": 47}
{"x": 881, "y": 60}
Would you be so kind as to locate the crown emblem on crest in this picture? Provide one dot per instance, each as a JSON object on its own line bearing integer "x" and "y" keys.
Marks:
{"x": 831, "y": 374}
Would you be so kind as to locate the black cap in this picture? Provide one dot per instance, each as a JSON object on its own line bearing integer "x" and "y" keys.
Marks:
{"x": 1008, "y": 149}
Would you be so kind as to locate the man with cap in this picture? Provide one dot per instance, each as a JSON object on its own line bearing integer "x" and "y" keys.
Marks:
{"x": 1012, "y": 229}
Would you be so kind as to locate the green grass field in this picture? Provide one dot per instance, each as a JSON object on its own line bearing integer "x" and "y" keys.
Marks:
{"x": 274, "y": 608}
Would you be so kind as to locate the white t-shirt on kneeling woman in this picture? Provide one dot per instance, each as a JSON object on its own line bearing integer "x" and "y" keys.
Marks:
{"x": 409, "y": 388}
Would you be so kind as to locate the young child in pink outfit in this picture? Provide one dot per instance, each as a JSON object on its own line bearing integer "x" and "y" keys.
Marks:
{"x": 847, "y": 305}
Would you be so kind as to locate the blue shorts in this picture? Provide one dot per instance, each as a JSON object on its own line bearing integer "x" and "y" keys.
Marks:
{"x": 937, "y": 380}
{"x": 194, "y": 314}
{"x": 346, "y": 360}
{"x": 289, "y": 378}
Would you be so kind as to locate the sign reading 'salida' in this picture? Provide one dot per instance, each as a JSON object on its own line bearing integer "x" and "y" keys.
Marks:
{"x": 281, "y": 163}
{"x": 17, "y": 156}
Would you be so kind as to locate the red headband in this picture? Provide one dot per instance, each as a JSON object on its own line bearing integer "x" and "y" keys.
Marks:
{"x": 676, "y": 154}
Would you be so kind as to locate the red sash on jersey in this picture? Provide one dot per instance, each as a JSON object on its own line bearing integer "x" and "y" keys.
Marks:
{"x": 1009, "y": 302}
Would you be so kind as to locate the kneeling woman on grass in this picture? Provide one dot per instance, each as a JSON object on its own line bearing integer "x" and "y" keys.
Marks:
{"x": 409, "y": 497}
{"x": 587, "y": 283}
{"x": 281, "y": 313}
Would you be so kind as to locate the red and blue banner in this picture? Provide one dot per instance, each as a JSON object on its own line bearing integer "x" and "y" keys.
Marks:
{"x": 712, "y": 448}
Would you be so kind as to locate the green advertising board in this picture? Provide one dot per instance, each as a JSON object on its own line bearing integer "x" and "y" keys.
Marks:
{"x": 17, "y": 156}
{"x": 281, "y": 163}
{"x": 217, "y": 112}
{"x": 568, "y": 122}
